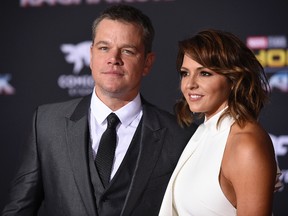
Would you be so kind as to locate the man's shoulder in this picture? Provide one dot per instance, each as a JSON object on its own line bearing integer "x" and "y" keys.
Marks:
{"x": 64, "y": 103}
{"x": 166, "y": 119}
{"x": 153, "y": 110}
{"x": 67, "y": 106}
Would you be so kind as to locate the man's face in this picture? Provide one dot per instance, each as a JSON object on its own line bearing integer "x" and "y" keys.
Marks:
{"x": 118, "y": 60}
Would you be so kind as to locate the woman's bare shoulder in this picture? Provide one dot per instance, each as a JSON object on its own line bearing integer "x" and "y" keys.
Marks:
{"x": 250, "y": 137}
{"x": 249, "y": 165}
{"x": 248, "y": 148}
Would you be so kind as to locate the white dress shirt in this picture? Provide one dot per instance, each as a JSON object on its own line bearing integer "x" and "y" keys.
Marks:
{"x": 129, "y": 115}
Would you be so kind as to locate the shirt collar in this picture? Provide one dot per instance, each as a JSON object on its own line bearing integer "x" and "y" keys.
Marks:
{"x": 126, "y": 114}
{"x": 211, "y": 124}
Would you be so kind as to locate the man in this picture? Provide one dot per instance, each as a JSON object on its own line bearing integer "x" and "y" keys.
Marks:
{"x": 61, "y": 173}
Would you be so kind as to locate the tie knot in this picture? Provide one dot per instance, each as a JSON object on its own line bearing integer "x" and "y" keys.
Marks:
{"x": 112, "y": 120}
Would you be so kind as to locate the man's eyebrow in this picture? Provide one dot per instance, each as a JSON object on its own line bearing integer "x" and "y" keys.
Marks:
{"x": 129, "y": 46}
{"x": 101, "y": 42}
{"x": 123, "y": 46}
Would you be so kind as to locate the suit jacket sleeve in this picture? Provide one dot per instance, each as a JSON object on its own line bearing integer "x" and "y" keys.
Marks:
{"x": 26, "y": 193}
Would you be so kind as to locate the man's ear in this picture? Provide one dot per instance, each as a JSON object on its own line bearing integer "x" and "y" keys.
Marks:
{"x": 91, "y": 47}
{"x": 150, "y": 58}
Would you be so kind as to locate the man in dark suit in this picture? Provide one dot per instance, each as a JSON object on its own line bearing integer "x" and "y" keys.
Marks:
{"x": 58, "y": 174}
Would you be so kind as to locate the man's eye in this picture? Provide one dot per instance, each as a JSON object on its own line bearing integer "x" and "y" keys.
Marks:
{"x": 103, "y": 48}
{"x": 128, "y": 52}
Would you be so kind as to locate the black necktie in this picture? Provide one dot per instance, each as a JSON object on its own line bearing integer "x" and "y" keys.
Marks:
{"x": 106, "y": 150}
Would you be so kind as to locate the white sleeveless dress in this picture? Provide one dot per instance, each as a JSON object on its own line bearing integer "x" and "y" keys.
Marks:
{"x": 194, "y": 187}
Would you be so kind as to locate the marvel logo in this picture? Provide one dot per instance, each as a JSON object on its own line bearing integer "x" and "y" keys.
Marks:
{"x": 257, "y": 42}
{"x": 77, "y": 54}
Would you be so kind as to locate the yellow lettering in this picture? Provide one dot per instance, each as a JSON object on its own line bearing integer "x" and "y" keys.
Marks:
{"x": 276, "y": 58}
{"x": 261, "y": 56}
{"x": 273, "y": 57}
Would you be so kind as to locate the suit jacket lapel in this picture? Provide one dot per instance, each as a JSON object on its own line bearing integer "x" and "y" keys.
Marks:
{"x": 77, "y": 144}
{"x": 150, "y": 147}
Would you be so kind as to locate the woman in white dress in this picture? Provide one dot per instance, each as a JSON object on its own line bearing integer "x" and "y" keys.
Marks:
{"x": 228, "y": 167}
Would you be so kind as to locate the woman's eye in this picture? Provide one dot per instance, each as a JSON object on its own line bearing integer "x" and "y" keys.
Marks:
{"x": 183, "y": 74}
{"x": 205, "y": 73}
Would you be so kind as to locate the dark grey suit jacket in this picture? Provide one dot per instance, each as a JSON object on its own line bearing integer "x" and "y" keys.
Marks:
{"x": 54, "y": 179}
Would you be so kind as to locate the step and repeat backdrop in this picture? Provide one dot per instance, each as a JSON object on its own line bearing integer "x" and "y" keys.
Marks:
{"x": 44, "y": 58}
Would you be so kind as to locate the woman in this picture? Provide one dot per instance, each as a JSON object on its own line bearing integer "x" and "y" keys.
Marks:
{"x": 228, "y": 167}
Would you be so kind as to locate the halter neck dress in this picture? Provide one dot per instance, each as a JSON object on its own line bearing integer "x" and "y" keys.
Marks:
{"x": 194, "y": 187}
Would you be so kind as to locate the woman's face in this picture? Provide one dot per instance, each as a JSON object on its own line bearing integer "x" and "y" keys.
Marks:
{"x": 204, "y": 90}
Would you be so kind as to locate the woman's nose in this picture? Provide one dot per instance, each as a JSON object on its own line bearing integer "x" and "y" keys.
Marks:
{"x": 191, "y": 82}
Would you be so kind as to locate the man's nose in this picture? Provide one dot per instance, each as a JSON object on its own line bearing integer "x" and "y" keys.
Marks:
{"x": 115, "y": 58}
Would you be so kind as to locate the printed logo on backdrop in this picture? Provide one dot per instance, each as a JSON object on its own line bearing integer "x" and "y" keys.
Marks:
{"x": 80, "y": 81}
{"x": 272, "y": 52}
{"x": 5, "y": 87}
{"x": 39, "y": 3}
